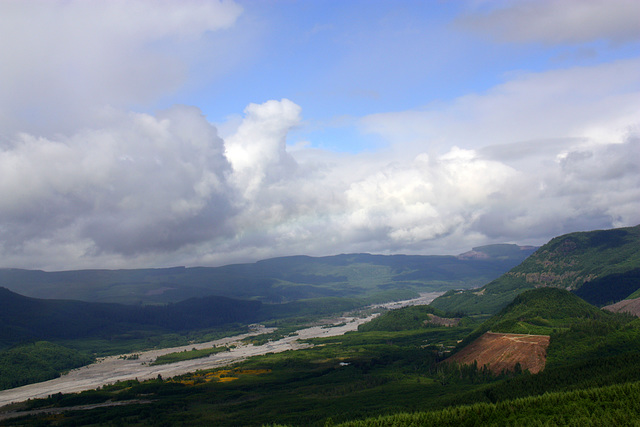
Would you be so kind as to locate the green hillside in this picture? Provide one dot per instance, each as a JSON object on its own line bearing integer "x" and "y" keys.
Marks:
{"x": 576, "y": 327}
{"x": 540, "y": 311}
{"x": 400, "y": 319}
{"x": 567, "y": 262}
{"x": 398, "y": 377}
{"x": 39, "y": 361}
{"x": 591, "y": 377}
{"x": 615, "y": 405}
{"x": 24, "y": 319}
{"x": 543, "y": 311}
{"x": 580, "y": 334}
{"x": 412, "y": 317}
{"x": 395, "y": 371}
{"x": 274, "y": 280}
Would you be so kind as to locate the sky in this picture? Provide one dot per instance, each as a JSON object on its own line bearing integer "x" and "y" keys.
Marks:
{"x": 140, "y": 133}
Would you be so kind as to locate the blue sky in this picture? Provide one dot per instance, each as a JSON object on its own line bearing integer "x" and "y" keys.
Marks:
{"x": 156, "y": 133}
{"x": 344, "y": 60}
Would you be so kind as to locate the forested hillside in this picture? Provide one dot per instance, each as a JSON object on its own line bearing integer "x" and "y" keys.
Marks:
{"x": 402, "y": 361}
{"x": 591, "y": 376}
{"x": 24, "y": 319}
{"x": 599, "y": 406}
{"x": 600, "y": 266}
{"x": 388, "y": 372}
{"x": 39, "y": 361}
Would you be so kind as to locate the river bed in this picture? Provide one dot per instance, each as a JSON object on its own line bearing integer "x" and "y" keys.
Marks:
{"x": 110, "y": 369}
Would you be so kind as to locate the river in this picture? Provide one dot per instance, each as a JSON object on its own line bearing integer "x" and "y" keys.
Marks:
{"x": 110, "y": 369}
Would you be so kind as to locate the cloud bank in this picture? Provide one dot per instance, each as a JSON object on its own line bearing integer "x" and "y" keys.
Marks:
{"x": 556, "y": 22}
{"x": 66, "y": 59}
{"x": 159, "y": 189}
{"x": 86, "y": 181}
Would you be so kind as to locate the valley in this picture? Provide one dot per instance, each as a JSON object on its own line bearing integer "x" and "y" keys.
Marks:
{"x": 289, "y": 213}
{"x": 376, "y": 278}
{"x": 111, "y": 369}
{"x": 451, "y": 357}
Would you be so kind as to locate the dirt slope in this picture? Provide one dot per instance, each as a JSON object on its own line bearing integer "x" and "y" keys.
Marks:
{"x": 631, "y": 306}
{"x": 502, "y": 351}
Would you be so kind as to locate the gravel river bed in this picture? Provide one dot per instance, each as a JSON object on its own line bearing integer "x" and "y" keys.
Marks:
{"x": 108, "y": 370}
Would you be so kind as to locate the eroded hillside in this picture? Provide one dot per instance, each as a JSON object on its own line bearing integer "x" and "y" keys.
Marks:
{"x": 505, "y": 352}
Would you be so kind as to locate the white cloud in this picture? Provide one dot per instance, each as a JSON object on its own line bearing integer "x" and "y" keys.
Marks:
{"x": 257, "y": 150}
{"x": 541, "y": 155}
{"x": 426, "y": 199}
{"x": 584, "y": 189}
{"x": 597, "y": 103}
{"x": 166, "y": 190}
{"x": 83, "y": 184}
{"x": 557, "y": 22}
{"x": 567, "y": 138}
{"x": 137, "y": 184}
{"x": 64, "y": 58}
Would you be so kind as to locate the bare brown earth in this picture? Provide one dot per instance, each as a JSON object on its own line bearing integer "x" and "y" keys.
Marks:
{"x": 500, "y": 352}
{"x": 631, "y": 306}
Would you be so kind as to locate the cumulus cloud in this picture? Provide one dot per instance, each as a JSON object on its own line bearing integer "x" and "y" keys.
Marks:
{"x": 425, "y": 199}
{"x": 562, "y": 146}
{"x": 582, "y": 189}
{"x": 257, "y": 151}
{"x": 540, "y": 155}
{"x": 557, "y": 22}
{"x": 86, "y": 182}
{"x": 65, "y": 58}
{"x": 136, "y": 184}
{"x": 318, "y": 201}
{"x": 286, "y": 203}
{"x": 166, "y": 190}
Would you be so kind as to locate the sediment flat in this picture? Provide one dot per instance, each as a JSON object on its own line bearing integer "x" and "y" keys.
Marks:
{"x": 110, "y": 369}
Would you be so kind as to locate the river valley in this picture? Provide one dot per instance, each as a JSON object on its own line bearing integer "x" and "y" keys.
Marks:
{"x": 110, "y": 369}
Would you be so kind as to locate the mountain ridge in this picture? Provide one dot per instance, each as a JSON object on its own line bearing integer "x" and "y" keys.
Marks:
{"x": 273, "y": 280}
{"x": 569, "y": 262}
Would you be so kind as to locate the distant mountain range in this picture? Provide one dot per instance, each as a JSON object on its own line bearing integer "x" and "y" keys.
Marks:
{"x": 275, "y": 280}
{"x": 602, "y": 267}
{"x": 182, "y": 299}
{"x": 545, "y": 318}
